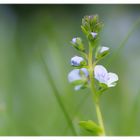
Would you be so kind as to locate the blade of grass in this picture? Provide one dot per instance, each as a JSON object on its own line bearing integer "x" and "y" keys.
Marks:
{"x": 56, "y": 93}
{"x": 124, "y": 41}
{"x": 133, "y": 119}
{"x": 79, "y": 106}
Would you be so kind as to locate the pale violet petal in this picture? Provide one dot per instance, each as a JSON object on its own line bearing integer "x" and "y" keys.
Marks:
{"x": 76, "y": 60}
{"x": 93, "y": 34}
{"x": 78, "y": 87}
{"x": 85, "y": 71}
{"x": 103, "y": 49}
{"x": 112, "y": 78}
{"x": 74, "y": 40}
{"x": 100, "y": 74}
{"x": 74, "y": 75}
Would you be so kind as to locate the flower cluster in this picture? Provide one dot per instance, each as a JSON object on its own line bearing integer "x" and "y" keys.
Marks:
{"x": 87, "y": 73}
{"x": 79, "y": 76}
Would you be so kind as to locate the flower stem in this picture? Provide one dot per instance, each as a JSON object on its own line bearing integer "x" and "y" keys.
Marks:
{"x": 93, "y": 90}
{"x": 100, "y": 119}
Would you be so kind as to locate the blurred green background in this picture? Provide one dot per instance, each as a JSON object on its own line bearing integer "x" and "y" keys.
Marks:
{"x": 35, "y": 52}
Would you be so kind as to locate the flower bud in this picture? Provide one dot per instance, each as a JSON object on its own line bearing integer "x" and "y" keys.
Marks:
{"x": 101, "y": 52}
{"x": 93, "y": 39}
{"x": 104, "y": 49}
{"x": 74, "y": 40}
{"x": 77, "y": 43}
{"x": 91, "y": 24}
{"x": 94, "y": 34}
{"x": 77, "y": 61}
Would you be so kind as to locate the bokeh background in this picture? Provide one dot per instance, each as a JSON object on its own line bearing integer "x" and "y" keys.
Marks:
{"x": 35, "y": 96}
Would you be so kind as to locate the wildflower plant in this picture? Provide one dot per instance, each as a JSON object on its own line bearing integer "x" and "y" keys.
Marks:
{"x": 87, "y": 73}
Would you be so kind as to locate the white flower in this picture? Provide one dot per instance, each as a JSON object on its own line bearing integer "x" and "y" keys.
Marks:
{"x": 103, "y": 76}
{"x": 76, "y": 60}
{"x": 103, "y": 49}
{"x": 74, "y": 40}
{"x": 93, "y": 34}
{"x": 74, "y": 75}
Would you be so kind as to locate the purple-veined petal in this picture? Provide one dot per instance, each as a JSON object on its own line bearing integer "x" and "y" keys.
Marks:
{"x": 100, "y": 73}
{"x": 103, "y": 76}
{"x": 112, "y": 79}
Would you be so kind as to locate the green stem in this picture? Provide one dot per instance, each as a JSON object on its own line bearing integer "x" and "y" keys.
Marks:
{"x": 93, "y": 90}
{"x": 100, "y": 119}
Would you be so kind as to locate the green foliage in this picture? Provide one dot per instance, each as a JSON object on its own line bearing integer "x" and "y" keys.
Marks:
{"x": 91, "y": 126}
{"x": 78, "y": 82}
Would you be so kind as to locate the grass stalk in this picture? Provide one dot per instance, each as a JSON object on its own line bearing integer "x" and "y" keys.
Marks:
{"x": 56, "y": 93}
{"x": 124, "y": 41}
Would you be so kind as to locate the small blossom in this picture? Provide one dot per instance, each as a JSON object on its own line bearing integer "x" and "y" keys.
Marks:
{"x": 76, "y": 60}
{"x": 74, "y": 40}
{"x": 93, "y": 34}
{"x": 103, "y": 76}
{"x": 103, "y": 49}
{"x": 74, "y": 75}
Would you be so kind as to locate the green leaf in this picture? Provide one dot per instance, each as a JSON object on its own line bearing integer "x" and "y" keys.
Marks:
{"x": 78, "y": 82}
{"x": 104, "y": 86}
{"x": 97, "y": 52}
{"x": 98, "y": 27}
{"x": 84, "y": 30}
{"x": 91, "y": 127}
{"x": 83, "y": 63}
{"x": 90, "y": 37}
{"x": 82, "y": 83}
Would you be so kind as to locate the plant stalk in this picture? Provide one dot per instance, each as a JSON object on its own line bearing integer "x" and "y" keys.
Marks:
{"x": 59, "y": 100}
{"x": 93, "y": 90}
{"x": 100, "y": 119}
